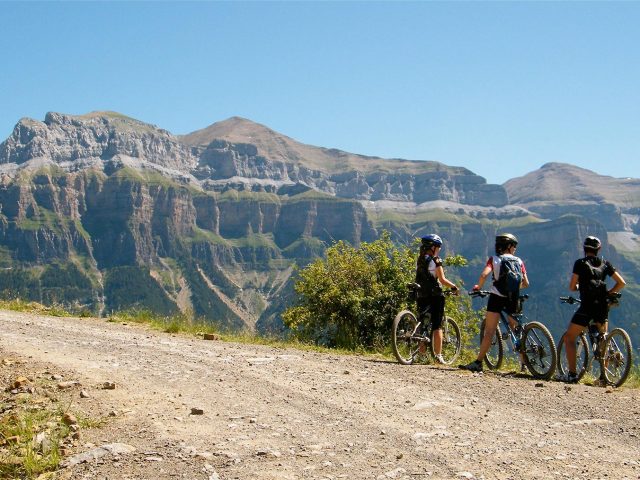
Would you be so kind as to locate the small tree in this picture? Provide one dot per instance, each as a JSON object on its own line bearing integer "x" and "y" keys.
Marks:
{"x": 347, "y": 299}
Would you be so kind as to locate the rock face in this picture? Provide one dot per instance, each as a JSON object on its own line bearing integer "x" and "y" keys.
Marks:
{"x": 102, "y": 135}
{"x": 221, "y": 162}
{"x": 102, "y": 212}
{"x": 248, "y": 153}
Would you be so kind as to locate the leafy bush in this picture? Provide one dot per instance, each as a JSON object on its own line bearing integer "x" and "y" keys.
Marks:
{"x": 349, "y": 299}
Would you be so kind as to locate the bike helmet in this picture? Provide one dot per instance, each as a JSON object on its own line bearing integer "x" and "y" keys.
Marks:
{"x": 504, "y": 241}
{"x": 592, "y": 243}
{"x": 431, "y": 240}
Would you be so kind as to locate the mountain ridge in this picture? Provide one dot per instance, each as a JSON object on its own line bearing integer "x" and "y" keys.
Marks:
{"x": 104, "y": 212}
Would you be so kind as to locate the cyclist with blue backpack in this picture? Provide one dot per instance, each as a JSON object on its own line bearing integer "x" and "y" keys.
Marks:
{"x": 430, "y": 276}
{"x": 589, "y": 275}
{"x": 509, "y": 276}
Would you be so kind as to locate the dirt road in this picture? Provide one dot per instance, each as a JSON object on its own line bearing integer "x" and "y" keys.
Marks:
{"x": 285, "y": 414}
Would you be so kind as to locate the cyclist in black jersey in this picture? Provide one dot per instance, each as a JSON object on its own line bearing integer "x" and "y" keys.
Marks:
{"x": 430, "y": 276}
{"x": 589, "y": 274}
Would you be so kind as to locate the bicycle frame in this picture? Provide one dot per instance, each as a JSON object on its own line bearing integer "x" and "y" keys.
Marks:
{"x": 531, "y": 340}
{"x": 507, "y": 331}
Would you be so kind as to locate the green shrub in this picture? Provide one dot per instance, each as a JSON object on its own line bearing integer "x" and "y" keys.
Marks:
{"x": 349, "y": 298}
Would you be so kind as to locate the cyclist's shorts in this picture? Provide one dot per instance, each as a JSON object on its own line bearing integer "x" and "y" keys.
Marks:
{"x": 586, "y": 313}
{"x": 437, "y": 310}
{"x": 496, "y": 304}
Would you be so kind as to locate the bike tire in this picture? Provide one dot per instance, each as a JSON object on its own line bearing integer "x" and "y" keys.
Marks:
{"x": 495, "y": 355}
{"x": 403, "y": 342}
{"x": 618, "y": 357}
{"x": 540, "y": 352}
{"x": 582, "y": 356}
{"x": 451, "y": 340}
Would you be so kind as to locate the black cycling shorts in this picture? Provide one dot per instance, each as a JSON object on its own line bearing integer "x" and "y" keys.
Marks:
{"x": 586, "y": 313}
{"x": 437, "y": 310}
{"x": 496, "y": 304}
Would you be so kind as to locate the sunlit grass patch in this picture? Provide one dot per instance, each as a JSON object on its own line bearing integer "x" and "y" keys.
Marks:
{"x": 19, "y": 305}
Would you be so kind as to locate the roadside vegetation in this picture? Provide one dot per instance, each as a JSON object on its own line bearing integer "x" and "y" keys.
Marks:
{"x": 37, "y": 423}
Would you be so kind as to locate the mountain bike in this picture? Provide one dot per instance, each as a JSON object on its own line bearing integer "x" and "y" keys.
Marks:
{"x": 612, "y": 351}
{"x": 411, "y": 339}
{"x": 532, "y": 341}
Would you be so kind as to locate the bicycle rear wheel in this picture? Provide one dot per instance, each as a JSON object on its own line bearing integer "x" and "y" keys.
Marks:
{"x": 495, "y": 355}
{"x": 617, "y": 358}
{"x": 451, "y": 340}
{"x": 404, "y": 337}
{"x": 582, "y": 356}
{"x": 539, "y": 350}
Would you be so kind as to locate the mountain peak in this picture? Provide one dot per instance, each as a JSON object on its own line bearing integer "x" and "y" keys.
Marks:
{"x": 566, "y": 183}
{"x": 234, "y": 129}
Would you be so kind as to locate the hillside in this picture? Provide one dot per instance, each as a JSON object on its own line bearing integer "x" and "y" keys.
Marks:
{"x": 274, "y": 413}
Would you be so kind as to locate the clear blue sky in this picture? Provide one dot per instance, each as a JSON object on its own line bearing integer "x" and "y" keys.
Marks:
{"x": 498, "y": 87}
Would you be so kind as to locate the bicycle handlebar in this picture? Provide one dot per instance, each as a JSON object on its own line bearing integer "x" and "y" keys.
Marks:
{"x": 478, "y": 293}
{"x": 611, "y": 299}
{"x": 570, "y": 300}
{"x": 416, "y": 286}
{"x": 484, "y": 293}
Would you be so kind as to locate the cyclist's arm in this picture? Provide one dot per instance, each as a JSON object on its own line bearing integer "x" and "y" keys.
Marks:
{"x": 573, "y": 283}
{"x": 620, "y": 283}
{"x": 525, "y": 281}
{"x": 483, "y": 276}
{"x": 444, "y": 280}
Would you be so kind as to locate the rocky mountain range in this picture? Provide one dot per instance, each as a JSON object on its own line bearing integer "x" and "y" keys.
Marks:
{"x": 102, "y": 212}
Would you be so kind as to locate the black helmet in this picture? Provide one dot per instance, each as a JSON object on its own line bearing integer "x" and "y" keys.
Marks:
{"x": 431, "y": 240}
{"x": 592, "y": 243}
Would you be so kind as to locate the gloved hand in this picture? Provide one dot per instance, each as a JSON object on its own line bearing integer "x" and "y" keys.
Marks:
{"x": 476, "y": 288}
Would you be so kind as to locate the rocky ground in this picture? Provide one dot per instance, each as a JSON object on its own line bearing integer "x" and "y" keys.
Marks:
{"x": 184, "y": 407}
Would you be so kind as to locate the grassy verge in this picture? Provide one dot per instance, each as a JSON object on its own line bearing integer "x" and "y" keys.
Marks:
{"x": 18, "y": 305}
{"x": 186, "y": 324}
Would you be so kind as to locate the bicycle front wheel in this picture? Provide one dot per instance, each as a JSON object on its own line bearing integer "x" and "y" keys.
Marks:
{"x": 617, "y": 358}
{"x": 495, "y": 355}
{"x": 404, "y": 338}
{"x": 539, "y": 349}
{"x": 582, "y": 356}
{"x": 451, "y": 340}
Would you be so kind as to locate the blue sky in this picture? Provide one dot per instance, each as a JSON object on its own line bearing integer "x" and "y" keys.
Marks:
{"x": 498, "y": 87}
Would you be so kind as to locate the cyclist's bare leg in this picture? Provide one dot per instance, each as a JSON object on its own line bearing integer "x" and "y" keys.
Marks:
{"x": 490, "y": 326}
{"x": 437, "y": 341}
{"x": 570, "y": 337}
